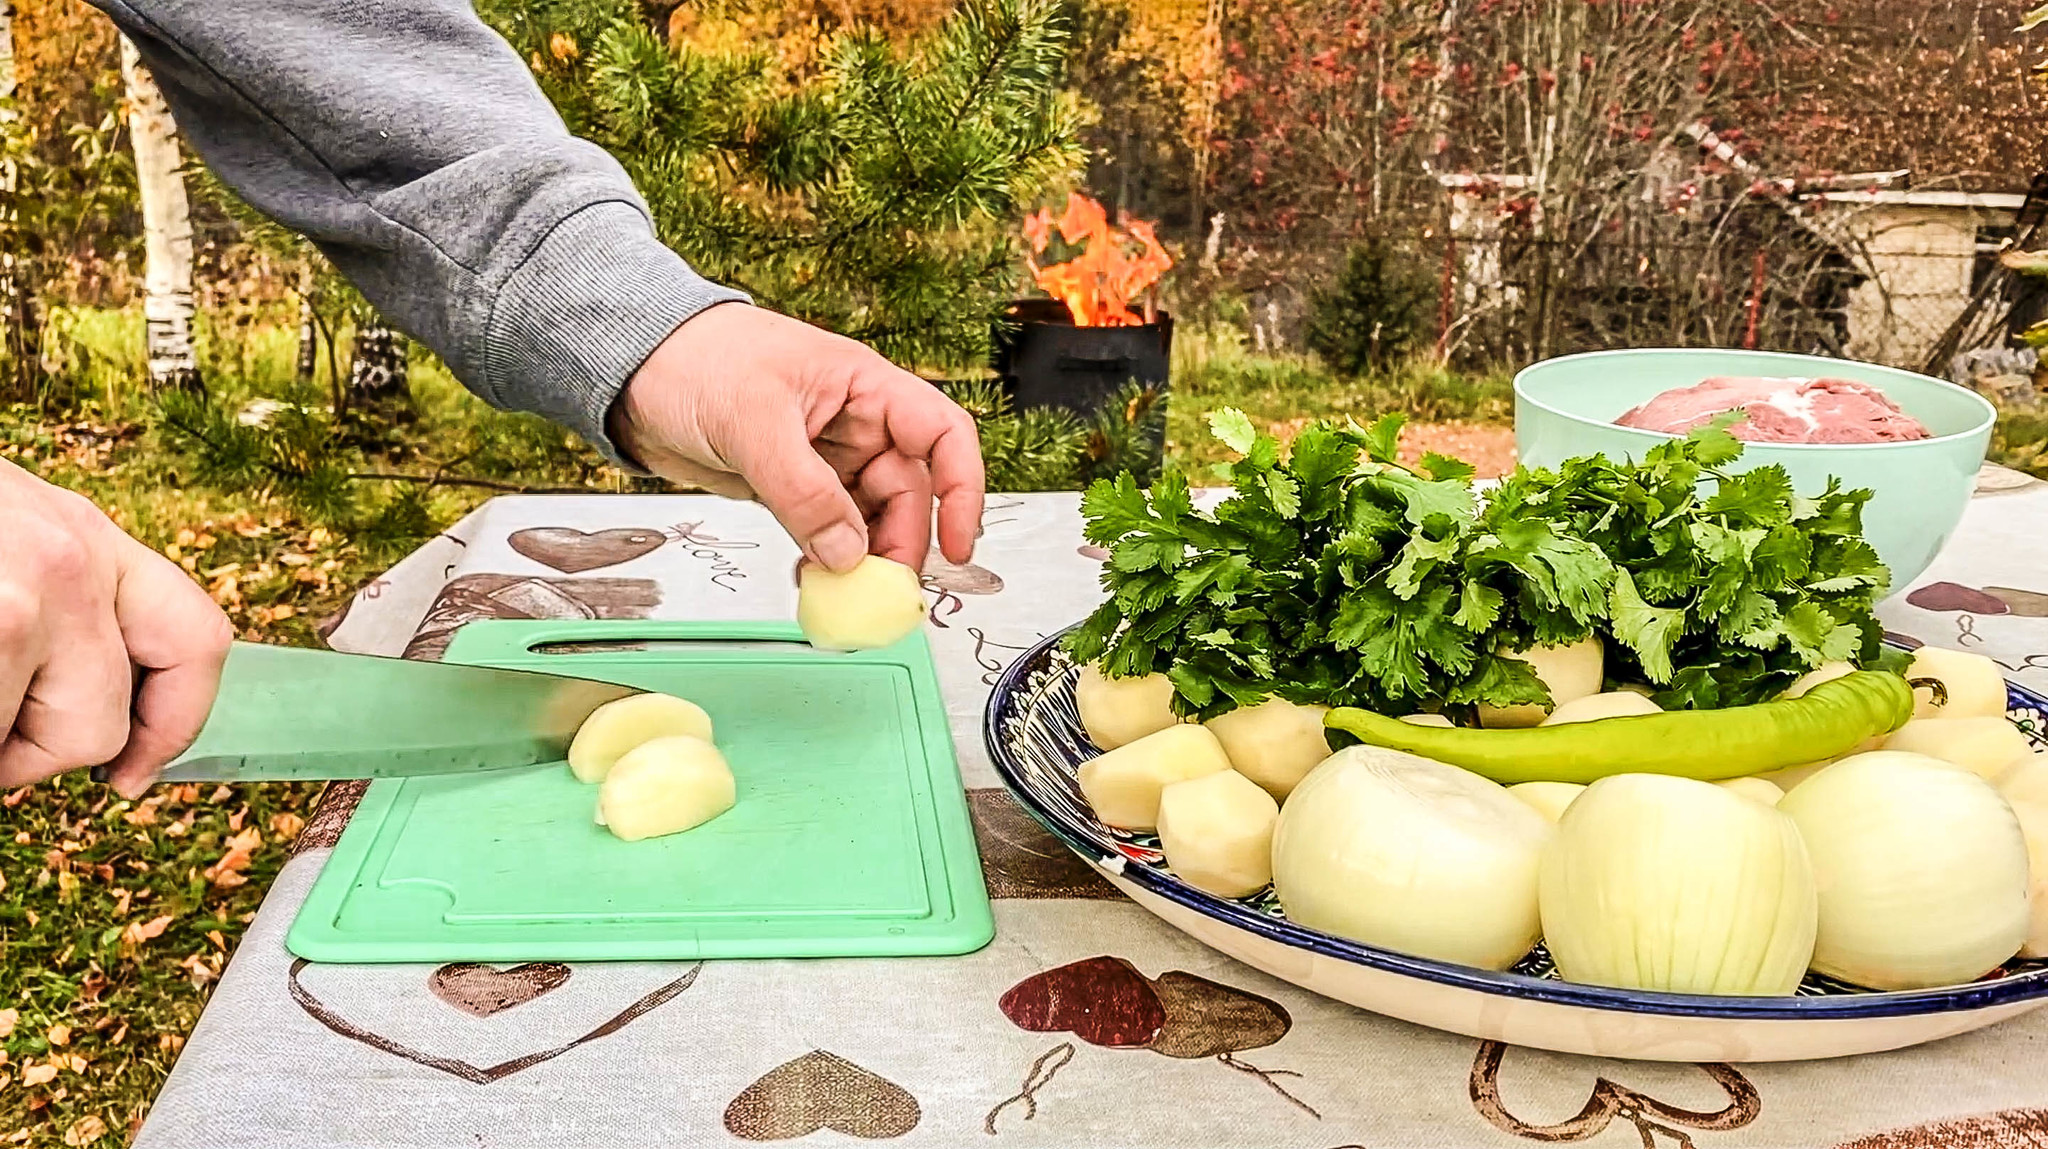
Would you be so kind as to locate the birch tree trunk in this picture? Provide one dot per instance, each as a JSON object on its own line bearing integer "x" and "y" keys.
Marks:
{"x": 377, "y": 371}
{"x": 166, "y": 229}
{"x": 21, "y": 355}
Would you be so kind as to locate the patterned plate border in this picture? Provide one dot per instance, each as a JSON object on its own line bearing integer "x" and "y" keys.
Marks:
{"x": 1035, "y": 740}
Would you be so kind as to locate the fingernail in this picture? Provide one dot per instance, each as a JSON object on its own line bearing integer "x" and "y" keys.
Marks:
{"x": 840, "y": 547}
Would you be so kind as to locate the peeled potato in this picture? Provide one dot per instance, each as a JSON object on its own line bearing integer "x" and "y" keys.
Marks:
{"x": 1123, "y": 786}
{"x": 1976, "y": 686}
{"x": 1825, "y": 672}
{"x": 1568, "y": 672}
{"x": 1593, "y": 707}
{"x": 2025, "y": 788}
{"x": 1986, "y": 747}
{"x": 1547, "y": 798}
{"x": 1275, "y": 743}
{"x": 664, "y": 787}
{"x": 1117, "y": 711}
{"x": 616, "y": 728}
{"x": 1217, "y": 832}
{"x": 1427, "y": 720}
{"x": 876, "y": 604}
{"x": 1756, "y": 788}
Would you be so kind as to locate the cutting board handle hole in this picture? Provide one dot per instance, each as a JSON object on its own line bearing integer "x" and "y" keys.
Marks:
{"x": 652, "y": 645}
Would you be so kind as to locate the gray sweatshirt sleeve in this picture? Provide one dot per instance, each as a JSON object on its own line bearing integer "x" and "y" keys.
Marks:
{"x": 409, "y": 142}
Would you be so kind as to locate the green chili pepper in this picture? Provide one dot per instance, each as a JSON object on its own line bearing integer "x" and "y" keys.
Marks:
{"x": 1831, "y": 720}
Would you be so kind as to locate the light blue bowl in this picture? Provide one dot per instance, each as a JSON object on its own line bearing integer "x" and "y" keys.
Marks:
{"x": 1566, "y": 407}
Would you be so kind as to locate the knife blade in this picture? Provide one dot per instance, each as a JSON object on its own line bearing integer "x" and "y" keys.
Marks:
{"x": 286, "y": 714}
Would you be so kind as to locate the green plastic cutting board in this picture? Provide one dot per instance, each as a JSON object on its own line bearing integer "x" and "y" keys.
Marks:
{"x": 850, "y": 837}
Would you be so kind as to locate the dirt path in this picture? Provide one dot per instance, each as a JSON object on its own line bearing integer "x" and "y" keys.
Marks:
{"x": 1489, "y": 447}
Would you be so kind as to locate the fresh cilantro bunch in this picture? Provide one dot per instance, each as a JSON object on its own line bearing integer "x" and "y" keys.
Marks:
{"x": 1335, "y": 576}
{"x": 1724, "y": 595}
{"x": 1339, "y": 576}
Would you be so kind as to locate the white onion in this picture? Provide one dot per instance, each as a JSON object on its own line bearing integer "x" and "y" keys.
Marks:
{"x": 1922, "y": 871}
{"x": 1406, "y": 853}
{"x": 2025, "y": 787}
{"x": 1547, "y": 798}
{"x": 1670, "y": 884}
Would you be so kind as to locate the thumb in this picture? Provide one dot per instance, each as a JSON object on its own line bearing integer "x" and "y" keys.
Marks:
{"x": 802, "y": 490}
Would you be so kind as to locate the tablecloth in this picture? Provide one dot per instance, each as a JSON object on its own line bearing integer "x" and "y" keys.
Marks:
{"x": 921, "y": 1052}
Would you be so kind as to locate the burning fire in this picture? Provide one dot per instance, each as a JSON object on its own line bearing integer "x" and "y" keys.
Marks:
{"x": 1098, "y": 284}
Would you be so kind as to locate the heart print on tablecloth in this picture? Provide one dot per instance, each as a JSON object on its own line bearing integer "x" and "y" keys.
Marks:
{"x": 817, "y": 1091}
{"x": 1106, "y": 1002}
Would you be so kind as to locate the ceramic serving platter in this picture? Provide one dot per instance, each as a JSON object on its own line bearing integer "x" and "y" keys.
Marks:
{"x": 1035, "y": 738}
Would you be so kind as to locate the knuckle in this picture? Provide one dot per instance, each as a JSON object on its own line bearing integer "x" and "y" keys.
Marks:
{"x": 20, "y": 617}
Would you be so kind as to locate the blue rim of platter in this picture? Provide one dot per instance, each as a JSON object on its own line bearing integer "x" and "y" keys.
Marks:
{"x": 1042, "y": 668}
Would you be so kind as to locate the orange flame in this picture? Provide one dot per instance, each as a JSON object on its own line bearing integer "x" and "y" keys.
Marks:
{"x": 1097, "y": 285}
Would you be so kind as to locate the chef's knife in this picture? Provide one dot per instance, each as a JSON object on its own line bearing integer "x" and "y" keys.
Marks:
{"x": 286, "y": 714}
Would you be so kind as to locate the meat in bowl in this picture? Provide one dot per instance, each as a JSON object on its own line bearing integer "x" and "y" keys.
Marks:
{"x": 1781, "y": 410}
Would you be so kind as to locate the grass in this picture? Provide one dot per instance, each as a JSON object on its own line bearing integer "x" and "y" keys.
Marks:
{"x": 117, "y": 918}
{"x": 1214, "y": 369}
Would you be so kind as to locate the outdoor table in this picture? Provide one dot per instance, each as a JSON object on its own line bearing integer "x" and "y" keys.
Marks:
{"x": 918, "y": 1051}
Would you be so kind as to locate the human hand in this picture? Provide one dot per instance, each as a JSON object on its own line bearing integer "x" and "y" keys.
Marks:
{"x": 84, "y": 611}
{"x": 844, "y": 447}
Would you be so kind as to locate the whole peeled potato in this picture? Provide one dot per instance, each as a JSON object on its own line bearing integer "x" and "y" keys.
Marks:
{"x": 876, "y": 604}
{"x": 1275, "y": 743}
{"x": 1986, "y": 747}
{"x": 1217, "y": 833}
{"x": 1975, "y": 685}
{"x": 1119, "y": 711}
{"x": 1594, "y": 707}
{"x": 1568, "y": 672}
{"x": 1123, "y": 786}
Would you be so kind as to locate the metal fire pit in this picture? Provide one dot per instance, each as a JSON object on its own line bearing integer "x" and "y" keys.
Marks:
{"x": 1046, "y": 361}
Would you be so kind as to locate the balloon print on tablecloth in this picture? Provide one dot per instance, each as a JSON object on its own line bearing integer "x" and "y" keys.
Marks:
{"x": 1106, "y": 1002}
{"x": 1608, "y": 1100}
{"x": 817, "y": 1091}
{"x": 572, "y": 551}
{"x": 1968, "y": 603}
{"x": 948, "y": 581}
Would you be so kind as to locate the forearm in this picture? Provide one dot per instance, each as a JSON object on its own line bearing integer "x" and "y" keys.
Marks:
{"x": 410, "y": 143}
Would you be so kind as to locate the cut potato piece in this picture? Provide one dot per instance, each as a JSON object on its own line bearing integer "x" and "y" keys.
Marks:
{"x": 614, "y": 729}
{"x": 1568, "y": 672}
{"x": 1217, "y": 832}
{"x": 1275, "y": 743}
{"x": 1763, "y": 791}
{"x": 1427, "y": 720}
{"x": 1792, "y": 776}
{"x": 1123, "y": 786}
{"x": 1975, "y": 684}
{"x": 1547, "y": 798}
{"x": 665, "y": 787}
{"x": 1594, "y": 707}
{"x": 1118, "y": 711}
{"x": 1986, "y": 747}
{"x": 876, "y": 604}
